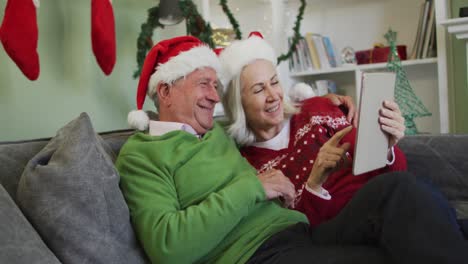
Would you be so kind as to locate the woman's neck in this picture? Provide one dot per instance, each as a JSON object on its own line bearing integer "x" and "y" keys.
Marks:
{"x": 267, "y": 134}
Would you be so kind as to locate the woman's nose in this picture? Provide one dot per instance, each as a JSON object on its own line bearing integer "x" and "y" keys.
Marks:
{"x": 272, "y": 94}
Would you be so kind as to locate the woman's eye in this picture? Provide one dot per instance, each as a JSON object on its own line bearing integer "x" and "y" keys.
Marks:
{"x": 258, "y": 90}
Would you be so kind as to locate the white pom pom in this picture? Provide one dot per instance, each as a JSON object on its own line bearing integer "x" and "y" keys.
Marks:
{"x": 300, "y": 92}
{"x": 138, "y": 119}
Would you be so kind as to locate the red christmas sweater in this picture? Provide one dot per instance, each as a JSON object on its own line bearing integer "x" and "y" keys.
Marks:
{"x": 309, "y": 130}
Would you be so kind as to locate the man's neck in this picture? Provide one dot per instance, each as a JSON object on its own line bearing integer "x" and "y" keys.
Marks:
{"x": 158, "y": 128}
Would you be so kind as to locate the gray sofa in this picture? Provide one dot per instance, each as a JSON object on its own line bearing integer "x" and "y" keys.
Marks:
{"x": 38, "y": 204}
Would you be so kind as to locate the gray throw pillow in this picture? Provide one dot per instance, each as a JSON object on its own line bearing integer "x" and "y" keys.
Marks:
{"x": 70, "y": 193}
{"x": 19, "y": 242}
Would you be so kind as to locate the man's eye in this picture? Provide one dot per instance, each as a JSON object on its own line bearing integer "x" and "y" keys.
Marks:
{"x": 274, "y": 82}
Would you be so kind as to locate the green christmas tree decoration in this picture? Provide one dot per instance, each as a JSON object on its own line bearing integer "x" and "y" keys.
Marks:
{"x": 410, "y": 105}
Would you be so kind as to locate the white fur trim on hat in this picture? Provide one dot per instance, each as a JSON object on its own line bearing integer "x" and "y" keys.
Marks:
{"x": 242, "y": 52}
{"x": 138, "y": 119}
{"x": 300, "y": 92}
{"x": 183, "y": 64}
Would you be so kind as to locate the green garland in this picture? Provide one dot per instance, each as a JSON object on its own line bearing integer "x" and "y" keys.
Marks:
{"x": 145, "y": 41}
{"x": 232, "y": 20}
{"x": 297, "y": 36}
{"x": 197, "y": 26}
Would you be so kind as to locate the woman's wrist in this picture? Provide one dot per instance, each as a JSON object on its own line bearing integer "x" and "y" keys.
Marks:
{"x": 314, "y": 186}
{"x": 391, "y": 156}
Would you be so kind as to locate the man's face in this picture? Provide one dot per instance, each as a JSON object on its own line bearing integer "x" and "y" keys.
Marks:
{"x": 193, "y": 99}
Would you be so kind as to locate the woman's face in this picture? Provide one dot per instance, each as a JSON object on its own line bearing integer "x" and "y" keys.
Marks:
{"x": 262, "y": 98}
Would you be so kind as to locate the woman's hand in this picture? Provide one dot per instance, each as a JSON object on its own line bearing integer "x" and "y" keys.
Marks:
{"x": 392, "y": 121}
{"x": 331, "y": 157}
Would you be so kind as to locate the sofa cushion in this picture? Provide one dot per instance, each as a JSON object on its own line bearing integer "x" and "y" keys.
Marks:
{"x": 19, "y": 242}
{"x": 443, "y": 161}
{"x": 70, "y": 193}
{"x": 13, "y": 159}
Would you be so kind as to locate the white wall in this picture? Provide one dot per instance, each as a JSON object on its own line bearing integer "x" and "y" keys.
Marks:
{"x": 70, "y": 81}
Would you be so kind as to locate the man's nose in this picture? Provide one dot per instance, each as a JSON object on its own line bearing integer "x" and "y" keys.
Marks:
{"x": 213, "y": 94}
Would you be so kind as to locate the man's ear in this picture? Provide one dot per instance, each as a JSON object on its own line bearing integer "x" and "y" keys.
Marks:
{"x": 163, "y": 92}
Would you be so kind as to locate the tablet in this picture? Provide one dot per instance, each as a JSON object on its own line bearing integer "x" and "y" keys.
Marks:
{"x": 371, "y": 148}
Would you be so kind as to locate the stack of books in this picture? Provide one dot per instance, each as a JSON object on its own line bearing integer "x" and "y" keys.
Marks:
{"x": 425, "y": 44}
{"x": 314, "y": 52}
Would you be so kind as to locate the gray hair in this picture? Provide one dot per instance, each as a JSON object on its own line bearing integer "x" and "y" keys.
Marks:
{"x": 153, "y": 95}
{"x": 236, "y": 123}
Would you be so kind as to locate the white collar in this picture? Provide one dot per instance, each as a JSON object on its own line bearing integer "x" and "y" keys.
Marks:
{"x": 159, "y": 128}
{"x": 279, "y": 141}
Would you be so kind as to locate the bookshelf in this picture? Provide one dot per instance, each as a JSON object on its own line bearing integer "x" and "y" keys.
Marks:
{"x": 361, "y": 23}
{"x": 363, "y": 67}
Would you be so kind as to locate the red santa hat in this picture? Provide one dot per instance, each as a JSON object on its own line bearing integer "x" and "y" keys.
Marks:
{"x": 243, "y": 52}
{"x": 166, "y": 62}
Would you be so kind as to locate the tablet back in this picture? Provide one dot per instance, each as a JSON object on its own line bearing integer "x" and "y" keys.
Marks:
{"x": 371, "y": 148}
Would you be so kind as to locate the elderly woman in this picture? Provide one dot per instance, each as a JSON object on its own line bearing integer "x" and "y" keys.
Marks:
{"x": 312, "y": 146}
{"x": 275, "y": 135}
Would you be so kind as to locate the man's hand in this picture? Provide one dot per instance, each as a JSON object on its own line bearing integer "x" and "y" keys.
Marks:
{"x": 331, "y": 157}
{"x": 347, "y": 103}
{"x": 277, "y": 185}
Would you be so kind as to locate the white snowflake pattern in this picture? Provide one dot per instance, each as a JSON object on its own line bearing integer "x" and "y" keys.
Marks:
{"x": 298, "y": 196}
{"x": 301, "y": 132}
{"x": 320, "y": 120}
{"x": 271, "y": 164}
{"x": 330, "y": 121}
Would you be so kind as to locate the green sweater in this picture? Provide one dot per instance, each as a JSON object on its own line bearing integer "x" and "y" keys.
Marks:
{"x": 196, "y": 200}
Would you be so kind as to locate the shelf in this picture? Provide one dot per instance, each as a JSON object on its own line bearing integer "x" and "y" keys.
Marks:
{"x": 457, "y": 26}
{"x": 363, "y": 67}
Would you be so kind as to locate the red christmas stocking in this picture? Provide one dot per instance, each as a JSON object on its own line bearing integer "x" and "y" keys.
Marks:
{"x": 103, "y": 34}
{"x": 19, "y": 33}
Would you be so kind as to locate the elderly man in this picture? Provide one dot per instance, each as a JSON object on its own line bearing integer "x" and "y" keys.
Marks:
{"x": 194, "y": 199}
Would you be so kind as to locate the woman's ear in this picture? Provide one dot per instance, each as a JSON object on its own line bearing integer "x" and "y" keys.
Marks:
{"x": 163, "y": 93}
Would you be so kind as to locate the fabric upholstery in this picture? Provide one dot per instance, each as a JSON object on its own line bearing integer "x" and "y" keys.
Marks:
{"x": 13, "y": 159}
{"x": 443, "y": 161}
{"x": 69, "y": 191}
{"x": 19, "y": 242}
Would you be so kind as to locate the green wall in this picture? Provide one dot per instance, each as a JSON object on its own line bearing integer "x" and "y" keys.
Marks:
{"x": 458, "y": 91}
{"x": 70, "y": 81}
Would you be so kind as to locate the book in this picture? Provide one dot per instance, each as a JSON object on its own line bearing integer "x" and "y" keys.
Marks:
{"x": 313, "y": 51}
{"x": 291, "y": 58}
{"x": 330, "y": 51}
{"x": 296, "y": 65}
{"x": 432, "y": 50}
{"x": 322, "y": 53}
{"x": 414, "y": 50}
{"x": 429, "y": 29}
{"x": 300, "y": 57}
{"x": 306, "y": 54}
{"x": 427, "y": 6}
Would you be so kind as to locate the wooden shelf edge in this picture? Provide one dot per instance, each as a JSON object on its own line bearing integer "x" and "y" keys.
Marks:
{"x": 362, "y": 67}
